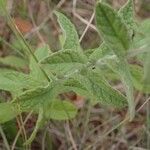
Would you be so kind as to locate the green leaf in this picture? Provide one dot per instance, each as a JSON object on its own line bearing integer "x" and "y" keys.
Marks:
{"x": 64, "y": 61}
{"x": 70, "y": 34}
{"x": 93, "y": 85}
{"x": 60, "y": 110}
{"x": 127, "y": 14}
{"x": 8, "y": 111}
{"x": 16, "y": 82}
{"x": 122, "y": 69}
{"x": 142, "y": 36}
{"x": 100, "y": 52}
{"x": 137, "y": 73}
{"x": 35, "y": 71}
{"x": 39, "y": 97}
{"x": 42, "y": 52}
{"x": 13, "y": 61}
{"x": 112, "y": 29}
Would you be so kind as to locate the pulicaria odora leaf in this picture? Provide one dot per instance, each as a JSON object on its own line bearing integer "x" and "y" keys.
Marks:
{"x": 127, "y": 14}
{"x": 69, "y": 32}
{"x": 112, "y": 29}
{"x": 92, "y": 85}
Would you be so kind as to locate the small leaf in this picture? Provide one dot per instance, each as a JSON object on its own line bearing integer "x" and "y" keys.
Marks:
{"x": 112, "y": 29}
{"x": 64, "y": 61}
{"x": 8, "y": 111}
{"x": 35, "y": 71}
{"x": 137, "y": 78}
{"x": 93, "y": 85}
{"x": 100, "y": 52}
{"x": 70, "y": 34}
{"x": 42, "y": 52}
{"x": 60, "y": 110}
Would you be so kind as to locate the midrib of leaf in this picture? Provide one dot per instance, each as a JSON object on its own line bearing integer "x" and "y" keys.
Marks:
{"x": 115, "y": 32}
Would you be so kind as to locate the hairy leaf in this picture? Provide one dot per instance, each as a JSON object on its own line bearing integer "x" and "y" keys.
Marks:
{"x": 127, "y": 13}
{"x": 38, "y": 97}
{"x": 112, "y": 29}
{"x": 92, "y": 85}
{"x": 15, "y": 82}
{"x": 64, "y": 61}
{"x": 69, "y": 31}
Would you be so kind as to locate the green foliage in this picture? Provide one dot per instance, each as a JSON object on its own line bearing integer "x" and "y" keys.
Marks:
{"x": 60, "y": 110}
{"x": 64, "y": 61}
{"x": 112, "y": 29}
{"x": 115, "y": 34}
{"x": 7, "y": 112}
{"x": 16, "y": 82}
{"x": 71, "y": 39}
{"x": 127, "y": 14}
{"x": 92, "y": 85}
{"x": 13, "y": 61}
{"x": 71, "y": 69}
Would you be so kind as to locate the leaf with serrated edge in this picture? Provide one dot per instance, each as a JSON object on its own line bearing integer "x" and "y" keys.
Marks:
{"x": 70, "y": 34}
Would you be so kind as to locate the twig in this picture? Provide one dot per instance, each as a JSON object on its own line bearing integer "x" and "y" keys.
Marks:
{"x": 80, "y": 18}
{"x": 71, "y": 137}
{"x": 38, "y": 28}
{"x": 87, "y": 27}
{"x": 143, "y": 104}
